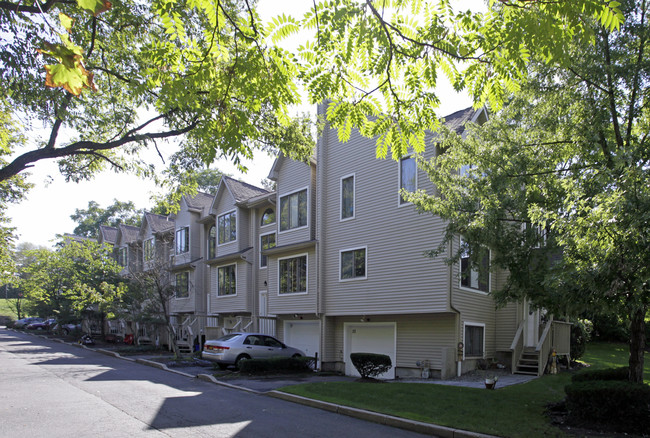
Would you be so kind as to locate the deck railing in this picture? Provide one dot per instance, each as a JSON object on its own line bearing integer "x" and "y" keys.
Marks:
{"x": 517, "y": 347}
{"x": 556, "y": 335}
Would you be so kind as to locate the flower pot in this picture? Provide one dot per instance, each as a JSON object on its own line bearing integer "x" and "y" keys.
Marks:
{"x": 490, "y": 383}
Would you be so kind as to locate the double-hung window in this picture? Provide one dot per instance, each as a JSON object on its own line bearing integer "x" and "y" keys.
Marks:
{"x": 148, "y": 250}
{"x": 293, "y": 275}
{"x": 267, "y": 241}
{"x": 182, "y": 240}
{"x": 353, "y": 264}
{"x": 183, "y": 285}
{"x": 227, "y": 224}
{"x": 227, "y": 280}
{"x": 474, "y": 340}
{"x": 347, "y": 197}
{"x": 293, "y": 210}
{"x": 407, "y": 176}
{"x": 122, "y": 256}
{"x": 474, "y": 267}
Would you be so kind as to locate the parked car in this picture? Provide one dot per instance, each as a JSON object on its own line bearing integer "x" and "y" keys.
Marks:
{"x": 22, "y": 323}
{"x": 43, "y": 325}
{"x": 65, "y": 329}
{"x": 235, "y": 347}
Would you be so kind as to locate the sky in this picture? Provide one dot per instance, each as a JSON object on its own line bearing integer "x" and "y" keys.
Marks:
{"x": 45, "y": 211}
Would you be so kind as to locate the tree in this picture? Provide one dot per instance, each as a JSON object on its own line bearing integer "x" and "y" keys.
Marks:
{"x": 89, "y": 220}
{"x": 120, "y": 77}
{"x": 77, "y": 277}
{"x": 556, "y": 184}
{"x": 150, "y": 291}
{"x": 185, "y": 183}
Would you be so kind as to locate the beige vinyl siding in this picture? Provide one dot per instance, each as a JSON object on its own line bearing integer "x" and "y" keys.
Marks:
{"x": 292, "y": 303}
{"x": 400, "y": 279}
{"x": 231, "y": 303}
{"x": 419, "y": 337}
{"x": 292, "y": 177}
{"x": 506, "y": 325}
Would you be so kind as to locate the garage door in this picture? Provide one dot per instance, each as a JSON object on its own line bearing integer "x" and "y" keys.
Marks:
{"x": 370, "y": 338}
{"x": 304, "y": 335}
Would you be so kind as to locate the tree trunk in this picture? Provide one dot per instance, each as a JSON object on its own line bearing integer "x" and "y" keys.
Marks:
{"x": 637, "y": 344}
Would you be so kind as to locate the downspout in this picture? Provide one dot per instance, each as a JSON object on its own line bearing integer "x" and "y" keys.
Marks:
{"x": 451, "y": 306}
{"x": 320, "y": 195}
{"x": 255, "y": 267}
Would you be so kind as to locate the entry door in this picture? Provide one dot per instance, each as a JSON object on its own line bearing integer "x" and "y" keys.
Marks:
{"x": 531, "y": 325}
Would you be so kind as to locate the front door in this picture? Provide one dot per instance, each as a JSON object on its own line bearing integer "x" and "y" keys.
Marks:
{"x": 531, "y": 325}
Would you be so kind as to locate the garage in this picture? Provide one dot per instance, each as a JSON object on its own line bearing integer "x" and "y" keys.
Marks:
{"x": 304, "y": 335}
{"x": 377, "y": 338}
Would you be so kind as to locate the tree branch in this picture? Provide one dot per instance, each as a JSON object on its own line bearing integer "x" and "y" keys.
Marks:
{"x": 36, "y": 9}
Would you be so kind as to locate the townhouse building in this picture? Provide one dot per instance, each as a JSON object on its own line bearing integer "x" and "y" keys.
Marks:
{"x": 334, "y": 262}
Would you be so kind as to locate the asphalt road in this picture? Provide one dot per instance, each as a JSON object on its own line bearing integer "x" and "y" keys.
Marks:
{"x": 49, "y": 389}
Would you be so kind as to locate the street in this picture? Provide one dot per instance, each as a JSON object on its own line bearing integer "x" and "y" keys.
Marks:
{"x": 57, "y": 390}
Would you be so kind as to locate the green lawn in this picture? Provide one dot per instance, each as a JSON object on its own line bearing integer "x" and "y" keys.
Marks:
{"x": 514, "y": 411}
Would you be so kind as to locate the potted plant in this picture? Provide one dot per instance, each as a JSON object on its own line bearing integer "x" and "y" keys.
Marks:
{"x": 491, "y": 381}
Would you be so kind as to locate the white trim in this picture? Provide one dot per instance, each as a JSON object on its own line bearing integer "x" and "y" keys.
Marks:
{"x": 278, "y": 212}
{"x": 260, "y": 251}
{"x": 236, "y": 227}
{"x": 399, "y": 179}
{"x": 365, "y": 277}
{"x": 294, "y": 256}
{"x": 153, "y": 248}
{"x": 354, "y": 197}
{"x": 275, "y": 212}
{"x": 473, "y": 324}
{"x": 236, "y": 280}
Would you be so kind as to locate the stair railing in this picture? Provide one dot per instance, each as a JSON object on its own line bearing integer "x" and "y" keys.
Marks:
{"x": 517, "y": 347}
{"x": 544, "y": 348}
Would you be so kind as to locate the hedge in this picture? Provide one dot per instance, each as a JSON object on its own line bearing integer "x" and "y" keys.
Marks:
{"x": 622, "y": 405}
{"x": 288, "y": 365}
{"x": 370, "y": 364}
{"x": 607, "y": 374}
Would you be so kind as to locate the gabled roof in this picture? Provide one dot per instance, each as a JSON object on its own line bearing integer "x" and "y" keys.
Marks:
{"x": 199, "y": 201}
{"x": 242, "y": 191}
{"x": 456, "y": 121}
{"x": 277, "y": 164}
{"x": 108, "y": 234}
{"x": 159, "y": 223}
{"x": 129, "y": 233}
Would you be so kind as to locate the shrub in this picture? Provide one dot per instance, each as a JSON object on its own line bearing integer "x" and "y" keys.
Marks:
{"x": 370, "y": 364}
{"x": 611, "y": 328}
{"x": 580, "y": 335}
{"x": 625, "y": 406}
{"x": 282, "y": 365}
{"x": 620, "y": 373}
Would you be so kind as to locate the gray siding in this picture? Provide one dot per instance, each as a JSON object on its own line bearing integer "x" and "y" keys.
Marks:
{"x": 400, "y": 279}
{"x": 224, "y": 204}
{"x": 294, "y": 176}
{"x": 238, "y": 303}
{"x": 292, "y": 303}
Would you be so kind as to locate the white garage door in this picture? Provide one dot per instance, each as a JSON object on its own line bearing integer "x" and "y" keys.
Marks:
{"x": 370, "y": 338}
{"x": 304, "y": 335}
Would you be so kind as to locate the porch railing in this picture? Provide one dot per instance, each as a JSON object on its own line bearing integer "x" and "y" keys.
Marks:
{"x": 556, "y": 335}
{"x": 517, "y": 346}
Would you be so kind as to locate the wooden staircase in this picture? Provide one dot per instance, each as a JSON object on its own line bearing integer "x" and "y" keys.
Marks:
{"x": 528, "y": 362}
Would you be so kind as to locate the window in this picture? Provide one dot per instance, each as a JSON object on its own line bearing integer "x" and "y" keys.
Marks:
{"x": 474, "y": 268}
{"x": 227, "y": 280}
{"x": 474, "y": 340}
{"x": 122, "y": 259}
{"x": 353, "y": 264}
{"x": 293, "y": 210}
{"x": 407, "y": 176}
{"x": 182, "y": 240}
{"x": 212, "y": 242}
{"x": 347, "y": 197}
{"x": 227, "y": 224}
{"x": 268, "y": 217}
{"x": 182, "y": 285}
{"x": 267, "y": 241}
{"x": 293, "y": 275}
{"x": 148, "y": 249}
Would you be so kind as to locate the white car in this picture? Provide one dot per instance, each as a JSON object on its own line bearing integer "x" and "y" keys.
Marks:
{"x": 235, "y": 347}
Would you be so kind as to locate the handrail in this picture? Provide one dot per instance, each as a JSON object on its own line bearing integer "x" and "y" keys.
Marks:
{"x": 543, "y": 348}
{"x": 517, "y": 347}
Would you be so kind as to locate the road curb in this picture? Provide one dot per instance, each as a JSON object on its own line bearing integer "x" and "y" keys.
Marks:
{"x": 388, "y": 420}
{"x": 211, "y": 379}
{"x": 162, "y": 366}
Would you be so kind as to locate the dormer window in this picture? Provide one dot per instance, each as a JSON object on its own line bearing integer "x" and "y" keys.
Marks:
{"x": 148, "y": 249}
{"x": 227, "y": 224}
{"x": 293, "y": 210}
{"x": 268, "y": 217}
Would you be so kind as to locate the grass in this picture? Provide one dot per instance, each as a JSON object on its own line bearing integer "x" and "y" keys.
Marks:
{"x": 513, "y": 411}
